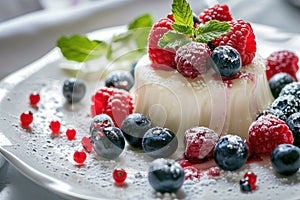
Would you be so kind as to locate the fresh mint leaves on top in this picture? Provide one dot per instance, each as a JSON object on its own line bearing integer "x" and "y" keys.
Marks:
{"x": 141, "y": 22}
{"x": 79, "y": 48}
{"x": 172, "y": 39}
{"x": 183, "y": 17}
{"x": 211, "y": 30}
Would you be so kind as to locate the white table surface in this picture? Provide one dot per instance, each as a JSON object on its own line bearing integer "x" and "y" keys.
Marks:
{"x": 28, "y": 37}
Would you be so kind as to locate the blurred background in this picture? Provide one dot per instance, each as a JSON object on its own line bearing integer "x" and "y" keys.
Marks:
{"x": 29, "y": 29}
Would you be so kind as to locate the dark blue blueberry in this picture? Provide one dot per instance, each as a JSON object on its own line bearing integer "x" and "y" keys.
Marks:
{"x": 108, "y": 142}
{"x": 196, "y": 19}
{"x": 226, "y": 61}
{"x": 277, "y": 113}
{"x": 101, "y": 121}
{"x": 245, "y": 186}
{"x": 165, "y": 175}
{"x": 159, "y": 142}
{"x": 278, "y": 81}
{"x": 285, "y": 159}
{"x": 132, "y": 68}
{"x": 73, "y": 90}
{"x": 134, "y": 127}
{"x": 291, "y": 89}
{"x": 288, "y": 104}
{"x": 230, "y": 152}
{"x": 293, "y": 123}
{"x": 119, "y": 79}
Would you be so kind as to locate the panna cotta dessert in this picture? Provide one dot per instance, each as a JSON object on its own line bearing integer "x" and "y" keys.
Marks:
{"x": 187, "y": 81}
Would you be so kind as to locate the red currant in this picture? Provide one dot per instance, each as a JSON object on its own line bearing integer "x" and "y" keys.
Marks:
{"x": 86, "y": 144}
{"x": 71, "y": 133}
{"x": 251, "y": 178}
{"x": 26, "y": 119}
{"x": 79, "y": 157}
{"x": 34, "y": 98}
{"x": 55, "y": 126}
{"x": 119, "y": 176}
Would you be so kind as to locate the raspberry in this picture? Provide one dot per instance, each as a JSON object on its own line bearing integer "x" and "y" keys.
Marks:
{"x": 282, "y": 61}
{"x": 267, "y": 132}
{"x": 161, "y": 58}
{"x": 191, "y": 59}
{"x": 114, "y": 102}
{"x": 199, "y": 144}
{"x": 240, "y": 37}
{"x": 217, "y": 12}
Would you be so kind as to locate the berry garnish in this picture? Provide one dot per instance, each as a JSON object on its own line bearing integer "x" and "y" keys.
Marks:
{"x": 73, "y": 90}
{"x": 267, "y": 132}
{"x": 79, "y": 157}
{"x": 191, "y": 59}
{"x": 240, "y": 37}
{"x": 132, "y": 68}
{"x": 276, "y": 112}
{"x": 230, "y": 152}
{"x": 101, "y": 121}
{"x": 291, "y": 89}
{"x": 226, "y": 61}
{"x": 119, "y": 79}
{"x": 161, "y": 58}
{"x": 34, "y": 98}
{"x": 285, "y": 159}
{"x": 26, "y": 118}
{"x": 119, "y": 176}
{"x": 134, "y": 127}
{"x": 251, "y": 178}
{"x": 217, "y": 12}
{"x": 86, "y": 144}
{"x": 159, "y": 142}
{"x": 108, "y": 142}
{"x": 191, "y": 173}
{"x": 282, "y": 61}
{"x": 288, "y": 104}
{"x": 55, "y": 126}
{"x": 165, "y": 175}
{"x": 278, "y": 81}
{"x": 199, "y": 144}
{"x": 115, "y": 103}
{"x": 293, "y": 123}
{"x": 71, "y": 133}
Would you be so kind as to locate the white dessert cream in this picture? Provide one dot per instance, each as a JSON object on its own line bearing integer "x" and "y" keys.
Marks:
{"x": 226, "y": 106}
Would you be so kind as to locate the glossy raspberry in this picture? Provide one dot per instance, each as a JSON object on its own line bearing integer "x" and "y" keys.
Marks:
{"x": 114, "y": 102}
{"x": 240, "y": 37}
{"x": 119, "y": 176}
{"x": 282, "y": 61}
{"x": 34, "y": 98}
{"x": 191, "y": 59}
{"x": 199, "y": 144}
{"x": 267, "y": 132}
{"x": 26, "y": 118}
{"x": 161, "y": 58}
{"x": 79, "y": 157}
{"x": 71, "y": 133}
{"x": 217, "y": 12}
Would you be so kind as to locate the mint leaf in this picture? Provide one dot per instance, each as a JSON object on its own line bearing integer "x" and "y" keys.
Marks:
{"x": 183, "y": 16}
{"x": 211, "y": 30}
{"x": 141, "y": 37}
{"x": 141, "y": 22}
{"x": 172, "y": 39}
{"x": 79, "y": 48}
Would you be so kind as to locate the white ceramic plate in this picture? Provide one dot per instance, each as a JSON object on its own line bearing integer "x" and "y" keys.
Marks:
{"x": 48, "y": 161}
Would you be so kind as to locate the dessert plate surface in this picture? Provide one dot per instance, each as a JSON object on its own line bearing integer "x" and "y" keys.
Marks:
{"x": 48, "y": 160}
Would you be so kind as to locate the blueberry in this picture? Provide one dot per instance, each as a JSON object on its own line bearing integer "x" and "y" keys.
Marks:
{"x": 119, "y": 79}
{"x": 245, "y": 186}
{"x": 196, "y": 19}
{"x": 101, "y": 120}
{"x": 132, "y": 68}
{"x": 288, "y": 104}
{"x": 277, "y": 113}
{"x": 293, "y": 123}
{"x": 291, "y": 89}
{"x": 159, "y": 142}
{"x": 73, "y": 90}
{"x": 165, "y": 175}
{"x": 285, "y": 159}
{"x": 108, "y": 142}
{"x": 134, "y": 127}
{"x": 230, "y": 152}
{"x": 278, "y": 81}
{"x": 226, "y": 61}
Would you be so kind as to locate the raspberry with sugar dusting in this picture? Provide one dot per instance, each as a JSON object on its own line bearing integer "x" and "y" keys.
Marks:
{"x": 267, "y": 132}
{"x": 199, "y": 144}
{"x": 217, "y": 12}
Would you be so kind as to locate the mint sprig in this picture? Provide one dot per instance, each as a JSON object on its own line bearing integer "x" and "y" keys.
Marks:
{"x": 173, "y": 39}
{"x": 183, "y": 17}
{"x": 211, "y": 30}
